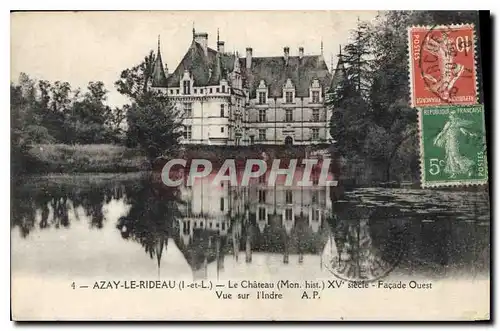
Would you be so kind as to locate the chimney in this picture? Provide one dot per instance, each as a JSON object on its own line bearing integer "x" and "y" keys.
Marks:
{"x": 301, "y": 52}
{"x": 249, "y": 57}
{"x": 202, "y": 39}
{"x": 220, "y": 46}
{"x": 286, "y": 51}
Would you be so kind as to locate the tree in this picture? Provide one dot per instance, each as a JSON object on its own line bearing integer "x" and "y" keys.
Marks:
{"x": 349, "y": 100}
{"x": 153, "y": 122}
{"x": 372, "y": 121}
{"x": 87, "y": 120}
{"x": 134, "y": 82}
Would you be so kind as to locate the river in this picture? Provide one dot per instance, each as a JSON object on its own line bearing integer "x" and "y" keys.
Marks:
{"x": 126, "y": 226}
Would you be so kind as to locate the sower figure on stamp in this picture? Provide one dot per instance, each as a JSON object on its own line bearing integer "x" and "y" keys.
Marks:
{"x": 448, "y": 139}
{"x": 450, "y": 71}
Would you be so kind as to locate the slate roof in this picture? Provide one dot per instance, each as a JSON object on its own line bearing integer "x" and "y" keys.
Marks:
{"x": 339, "y": 75}
{"x": 211, "y": 68}
{"x": 159, "y": 77}
{"x": 274, "y": 71}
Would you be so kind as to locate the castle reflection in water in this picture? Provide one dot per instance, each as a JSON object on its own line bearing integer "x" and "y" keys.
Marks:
{"x": 215, "y": 220}
{"x": 260, "y": 229}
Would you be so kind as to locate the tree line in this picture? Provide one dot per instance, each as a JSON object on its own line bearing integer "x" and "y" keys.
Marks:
{"x": 44, "y": 112}
{"x": 374, "y": 128}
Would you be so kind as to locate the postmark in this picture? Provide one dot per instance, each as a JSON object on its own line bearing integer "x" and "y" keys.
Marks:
{"x": 356, "y": 258}
{"x": 452, "y": 146}
{"x": 442, "y": 65}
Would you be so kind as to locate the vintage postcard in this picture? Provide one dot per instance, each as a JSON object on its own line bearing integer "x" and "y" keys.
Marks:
{"x": 249, "y": 166}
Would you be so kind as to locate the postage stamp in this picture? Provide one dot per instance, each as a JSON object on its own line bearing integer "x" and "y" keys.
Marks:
{"x": 452, "y": 146}
{"x": 442, "y": 65}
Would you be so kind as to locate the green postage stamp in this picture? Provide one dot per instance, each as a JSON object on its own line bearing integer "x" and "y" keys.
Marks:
{"x": 452, "y": 146}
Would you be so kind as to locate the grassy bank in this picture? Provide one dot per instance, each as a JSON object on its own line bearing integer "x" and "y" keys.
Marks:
{"x": 60, "y": 158}
{"x": 106, "y": 158}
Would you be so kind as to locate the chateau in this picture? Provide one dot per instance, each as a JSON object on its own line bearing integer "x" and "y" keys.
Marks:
{"x": 231, "y": 100}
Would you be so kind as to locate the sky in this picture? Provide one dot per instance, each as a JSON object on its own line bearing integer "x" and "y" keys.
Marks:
{"x": 79, "y": 47}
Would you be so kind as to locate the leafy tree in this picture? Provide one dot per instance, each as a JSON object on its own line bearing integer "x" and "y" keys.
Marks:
{"x": 134, "y": 82}
{"x": 153, "y": 122}
{"x": 88, "y": 117}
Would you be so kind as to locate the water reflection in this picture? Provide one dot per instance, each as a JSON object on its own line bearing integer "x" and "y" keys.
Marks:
{"x": 229, "y": 227}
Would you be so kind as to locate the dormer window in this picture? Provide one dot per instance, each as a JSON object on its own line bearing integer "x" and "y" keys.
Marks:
{"x": 262, "y": 93}
{"x": 315, "y": 96}
{"x": 186, "y": 87}
{"x": 315, "y": 92}
{"x": 262, "y": 98}
{"x": 223, "y": 88}
{"x": 288, "y": 91}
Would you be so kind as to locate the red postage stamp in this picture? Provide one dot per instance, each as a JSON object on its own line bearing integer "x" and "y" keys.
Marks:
{"x": 442, "y": 65}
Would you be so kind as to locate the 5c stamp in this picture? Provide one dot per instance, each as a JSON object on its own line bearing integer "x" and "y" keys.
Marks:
{"x": 442, "y": 65}
{"x": 452, "y": 146}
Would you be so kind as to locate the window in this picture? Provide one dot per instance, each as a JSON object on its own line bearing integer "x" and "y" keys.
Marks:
{"x": 195, "y": 91}
{"x": 211, "y": 90}
{"x": 262, "y": 134}
{"x": 316, "y": 115}
{"x": 262, "y": 115}
{"x": 223, "y": 88}
{"x": 223, "y": 226}
{"x": 222, "y": 129}
{"x": 217, "y": 90}
{"x": 188, "y": 109}
{"x": 187, "y": 132}
{"x": 288, "y": 115}
{"x": 315, "y": 97}
{"x": 171, "y": 91}
{"x": 289, "y": 197}
{"x": 221, "y": 110}
{"x": 262, "y": 214}
{"x": 315, "y": 133}
{"x": 288, "y": 214}
{"x": 289, "y": 97}
{"x": 315, "y": 215}
{"x": 221, "y": 204}
{"x": 177, "y": 91}
{"x": 262, "y": 97}
{"x": 186, "y": 87}
{"x": 262, "y": 196}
